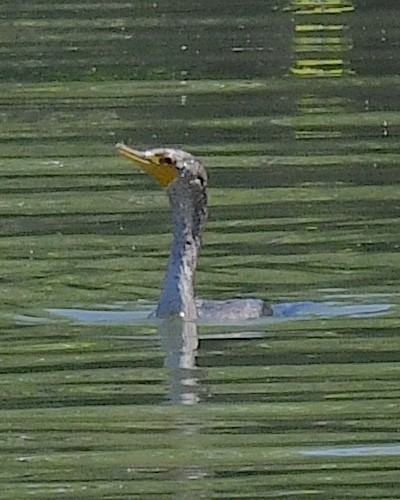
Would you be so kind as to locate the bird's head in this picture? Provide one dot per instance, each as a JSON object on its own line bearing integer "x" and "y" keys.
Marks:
{"x": 168, "y": 166}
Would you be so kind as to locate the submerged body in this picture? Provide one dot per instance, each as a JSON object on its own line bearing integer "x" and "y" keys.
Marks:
{"x": 185, "y": 179}
{"x": 232, "y": 310}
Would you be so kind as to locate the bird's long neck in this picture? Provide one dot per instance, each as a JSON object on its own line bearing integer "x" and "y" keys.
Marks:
{"x": 188, "y": 214}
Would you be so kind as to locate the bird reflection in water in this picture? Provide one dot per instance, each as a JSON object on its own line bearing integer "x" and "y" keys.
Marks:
{"x": 179, "y": 340}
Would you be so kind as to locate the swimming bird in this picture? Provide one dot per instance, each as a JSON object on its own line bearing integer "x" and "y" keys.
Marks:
{"x": 185, "y": 179}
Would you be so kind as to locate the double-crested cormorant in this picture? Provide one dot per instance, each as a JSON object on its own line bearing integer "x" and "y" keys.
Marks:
{"x": 185, "y": 179}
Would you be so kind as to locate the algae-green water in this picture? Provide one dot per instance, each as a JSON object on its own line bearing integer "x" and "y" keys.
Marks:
{"x": 295, "y": 110}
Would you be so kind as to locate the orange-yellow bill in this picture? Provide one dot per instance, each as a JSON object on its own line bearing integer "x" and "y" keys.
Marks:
{"x": 151, "y": 164}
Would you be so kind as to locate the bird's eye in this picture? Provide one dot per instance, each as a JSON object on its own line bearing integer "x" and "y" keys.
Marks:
{"x": 167, "y": 160}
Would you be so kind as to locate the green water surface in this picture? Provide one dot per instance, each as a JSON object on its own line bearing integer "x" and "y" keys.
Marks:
{"x": 295, "y": 109}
